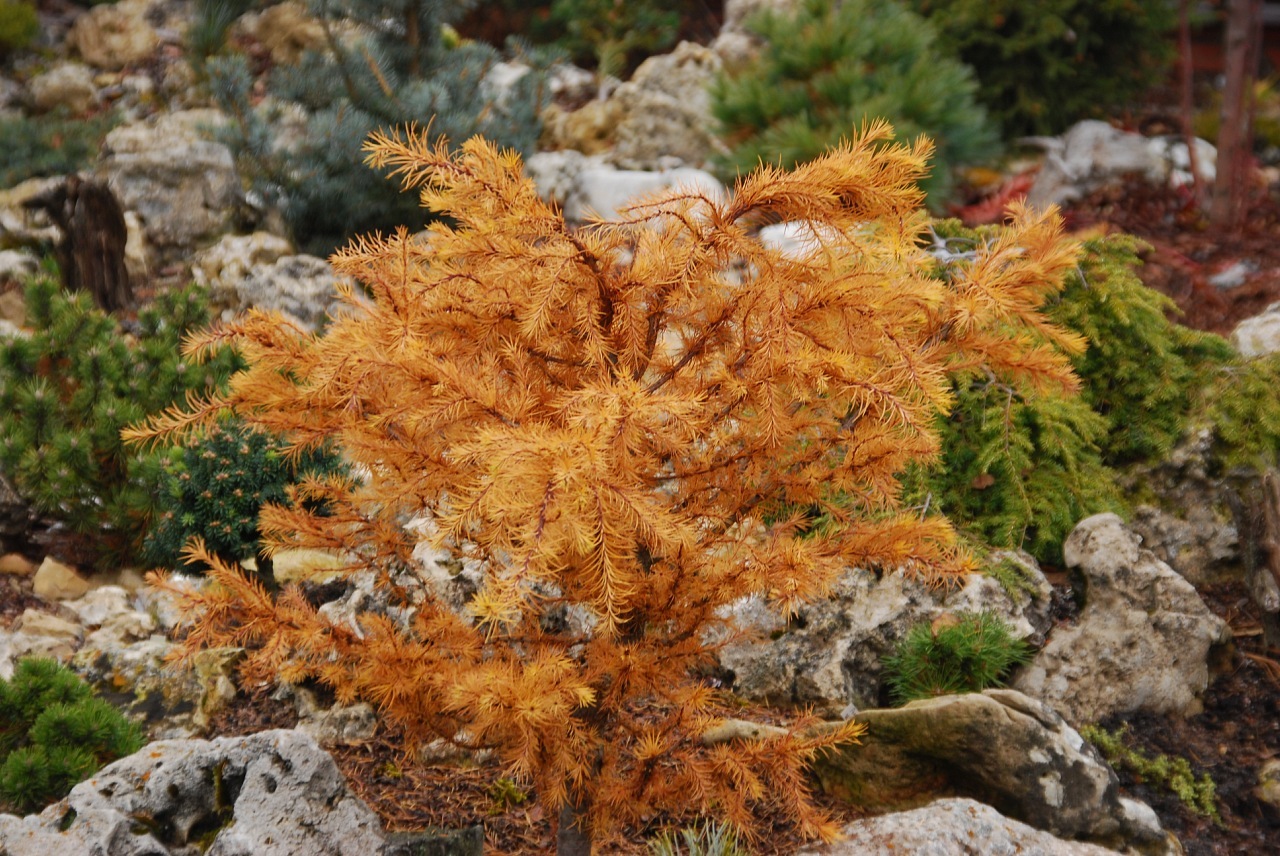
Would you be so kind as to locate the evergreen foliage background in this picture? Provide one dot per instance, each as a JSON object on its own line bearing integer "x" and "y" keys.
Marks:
{"x": 388, "y": 64}
{"x": 1043, "y": 65}
{"x": 830, "y": 68}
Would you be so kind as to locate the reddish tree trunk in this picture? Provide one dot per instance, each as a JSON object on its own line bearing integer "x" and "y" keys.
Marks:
{"x": 1235, "y": 137}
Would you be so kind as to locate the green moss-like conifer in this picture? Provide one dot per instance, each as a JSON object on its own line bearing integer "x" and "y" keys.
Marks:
{"x": 968, "y": 655}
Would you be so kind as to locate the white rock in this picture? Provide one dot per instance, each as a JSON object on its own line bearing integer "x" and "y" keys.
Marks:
{"x": 950, "y": 827}
{"x": 1259, "y": 335}
{"x": 604, "y": 191}
{"x": 68, "y": 85}
{"x": 184, "y": 188}
{"x": 1143, "y": 639}
{"x": 100, "y": 605}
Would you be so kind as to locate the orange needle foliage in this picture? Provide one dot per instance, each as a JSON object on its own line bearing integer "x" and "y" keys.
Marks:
{"x": 614, "y": 419}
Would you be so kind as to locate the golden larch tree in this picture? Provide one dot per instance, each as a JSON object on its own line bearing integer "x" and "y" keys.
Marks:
{"x": 618, "y": 421}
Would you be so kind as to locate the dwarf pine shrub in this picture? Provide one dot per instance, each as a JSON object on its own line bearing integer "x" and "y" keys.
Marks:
{"x": 53, "y": 144}
{"x": 967, "y": 654}
{"x": 53, "y": 734}
{"x": 216, "y": 488}
{"x": 828, "y": 68}
{"x": 1046, "y": 64}
{"x": 68, "y": 390}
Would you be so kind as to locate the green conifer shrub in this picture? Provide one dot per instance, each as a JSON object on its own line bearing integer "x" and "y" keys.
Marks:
{"x": 53, "y": 144}
{"x": 967, "y": 655}
{"x": 18, "y": 25}
{"x": 1044, "y": 65}
{"x": 68, "y": 390}
{"x": 398, "y": 71}
{"x": 53, "y": 734}
{"x": 610, "y": 29}
{"x": 1141, "y": 369}
{"x": 1240, "y": 402}
{"x": 829, "y": 68}
{"x": 216, "y": 488}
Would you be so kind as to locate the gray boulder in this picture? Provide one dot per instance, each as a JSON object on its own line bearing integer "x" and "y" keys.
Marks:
{"x": 949, "y": 827}
{"x": 666, "y": 111}
{"x": 829, "y": 656}
{"x": 183, "y": 187}
{"x": 303, "y": 287}
{"x": 68, "y": 85}
{"x": 1009, "y": 751}
{"x": 1092, "y": 154}
{"x": 1143, "y": 641}
{"x": 275, "y": 793}
{"x": 1258, "y": 335}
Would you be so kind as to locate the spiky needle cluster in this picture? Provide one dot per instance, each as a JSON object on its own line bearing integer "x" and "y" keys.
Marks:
{"x": 602, "y": 416}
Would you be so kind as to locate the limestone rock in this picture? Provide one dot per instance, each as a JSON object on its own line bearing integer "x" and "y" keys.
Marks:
{"x": 100, "y": 605}
{"x": 1009, "y": 751}
{"x": 588, "y": 130}
{"x": 830, "y": 655}
{"x": 184, "y": 188}
{"x": 1092, "y": 154}
{"x": 114, "y": 36}
{"x": 605, "y": 191}
{"x": 16, "y": 265}
{"x": 38, "y": 634}
{"x": 665, "y": 111}
{"x": 286, "y": 30}
{"x": 1200, "y": 542}
{"x": 275, "y": 793}
{"x": 949, "y": 827}
{"x": 1268, "y": 789}
{"x": 303, "y": 287}
{"x": 222, "y": 266}
{"x": 68, "y": 85}
{"x": 56, "y": 581}
{"x": 1259, "y": 335}
{"x": 1143, "y": 639}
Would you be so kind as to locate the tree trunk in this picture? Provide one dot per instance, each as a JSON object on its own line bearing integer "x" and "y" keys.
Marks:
{"x": 1235, "y": 136}
{"x": 91, "y": 253}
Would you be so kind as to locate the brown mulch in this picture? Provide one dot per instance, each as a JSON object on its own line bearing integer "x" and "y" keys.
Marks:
{"x": 1187, "y": 251}
{"x": 409, "y": 796}
{"x": 1237, "y": 731}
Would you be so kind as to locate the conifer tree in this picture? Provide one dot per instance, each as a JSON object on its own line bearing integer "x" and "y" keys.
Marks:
{"x": 827, "y": 67}
{"x": 386, "y": 62}
{"x": 602, "y": 419}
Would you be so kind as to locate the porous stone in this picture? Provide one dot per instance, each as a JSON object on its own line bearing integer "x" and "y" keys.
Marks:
{"x": 286, "y": 30}
{"x": 949, "y": 827}
{"x": 830, "y": 654}
{"x": 184, "y": 188}
{"x": 113, "y": 36}
{"x": 1258, "y": 335}
{"x": 665, "y": 111}
{"x": 68, "y": 85}
{"x": 604, "y": 191}
{"x": 222, "y": 266}
{"x": 1001, "y": 747}
{"x": 303, "y": 287}
{"x": 275, "y": 793}
{"x": 1143, "y": 640}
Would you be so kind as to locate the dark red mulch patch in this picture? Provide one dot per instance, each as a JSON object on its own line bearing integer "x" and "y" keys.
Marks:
{"x": 1186, "y": 252}
{"x": 1238, "y": 730}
